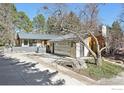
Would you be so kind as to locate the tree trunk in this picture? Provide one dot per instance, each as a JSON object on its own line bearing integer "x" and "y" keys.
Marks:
{"x": 98, "y": 60}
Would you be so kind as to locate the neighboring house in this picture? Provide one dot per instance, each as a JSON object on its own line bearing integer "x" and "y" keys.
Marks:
{"x": 32, "y": 39}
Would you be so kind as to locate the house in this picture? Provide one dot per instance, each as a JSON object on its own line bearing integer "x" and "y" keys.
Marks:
{"x": 64, "y": 45}
{"x": 24, "y": 39}
{"x": 69, "y": 45}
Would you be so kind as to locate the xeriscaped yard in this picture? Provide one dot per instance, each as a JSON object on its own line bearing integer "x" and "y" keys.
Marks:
{"x": 107, "y": 70}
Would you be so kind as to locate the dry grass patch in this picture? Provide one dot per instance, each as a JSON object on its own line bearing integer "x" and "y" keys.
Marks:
{"x": 107, "y": 70}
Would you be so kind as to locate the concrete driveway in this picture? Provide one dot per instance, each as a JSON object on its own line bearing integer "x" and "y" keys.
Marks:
{"x": 18, "y": 69}
{"x": 13, "y": 72}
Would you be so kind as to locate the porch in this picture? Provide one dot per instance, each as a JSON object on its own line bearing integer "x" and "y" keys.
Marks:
{"x": 31, "y": 42}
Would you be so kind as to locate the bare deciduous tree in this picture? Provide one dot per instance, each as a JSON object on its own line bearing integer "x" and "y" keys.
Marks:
{"x": 90, "y": 24}
{"x": 86, "y": 22}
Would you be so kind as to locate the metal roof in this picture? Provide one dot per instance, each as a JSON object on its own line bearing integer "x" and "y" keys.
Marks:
{"x": 68, "y": 37}
{"x": 23, "y": 35}
{"x": 64, "y": 37}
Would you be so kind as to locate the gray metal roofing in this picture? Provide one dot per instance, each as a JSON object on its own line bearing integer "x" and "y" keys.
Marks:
{"x": 64, "y": 37}
{"x": 68, "y": 37}
{"x": 23, "y": 35}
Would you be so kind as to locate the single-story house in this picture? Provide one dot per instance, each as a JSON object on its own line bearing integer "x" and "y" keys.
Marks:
{"x": 67, "y": 44}
{"x": 70, "y": 46}
{"x": 24, "y": 39}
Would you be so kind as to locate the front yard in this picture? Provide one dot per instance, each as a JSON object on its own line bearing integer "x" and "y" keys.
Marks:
{"x": 107, "y": 70}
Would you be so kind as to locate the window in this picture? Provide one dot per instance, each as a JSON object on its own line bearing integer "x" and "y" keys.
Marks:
{"x": 25, "y": 42}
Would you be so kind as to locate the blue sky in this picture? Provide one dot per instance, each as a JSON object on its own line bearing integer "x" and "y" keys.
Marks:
{"x": 108, "y": 12}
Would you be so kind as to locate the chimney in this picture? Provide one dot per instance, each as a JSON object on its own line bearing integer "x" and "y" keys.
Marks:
{"x": 104, "y": 31}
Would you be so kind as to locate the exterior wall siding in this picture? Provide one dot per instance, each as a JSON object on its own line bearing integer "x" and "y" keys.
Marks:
{"x": 64, "y": 48}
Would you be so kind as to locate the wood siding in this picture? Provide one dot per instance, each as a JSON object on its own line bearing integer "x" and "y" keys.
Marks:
{"x": 65, "y": 48}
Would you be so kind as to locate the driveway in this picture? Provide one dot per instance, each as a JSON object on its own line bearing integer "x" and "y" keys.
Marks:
{"x": 12, "y": 72}
{"x": 23, "y": 71}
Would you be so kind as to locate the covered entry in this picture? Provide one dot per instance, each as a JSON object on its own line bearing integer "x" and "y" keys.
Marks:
{"x": 32, "y": 39}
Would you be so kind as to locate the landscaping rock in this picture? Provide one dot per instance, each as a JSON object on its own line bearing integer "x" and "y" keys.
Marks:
{"x": 83, "y": 64}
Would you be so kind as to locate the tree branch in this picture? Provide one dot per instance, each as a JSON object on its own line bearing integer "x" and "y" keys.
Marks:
{"x": 102, "y": 49}
{"x": 82, "y": 41}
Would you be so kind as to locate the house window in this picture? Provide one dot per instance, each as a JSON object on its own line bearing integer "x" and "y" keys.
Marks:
{"x": 25, "y": 42}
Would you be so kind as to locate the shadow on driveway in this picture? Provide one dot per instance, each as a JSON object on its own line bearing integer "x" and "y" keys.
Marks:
{"x": 14, "y": 72}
